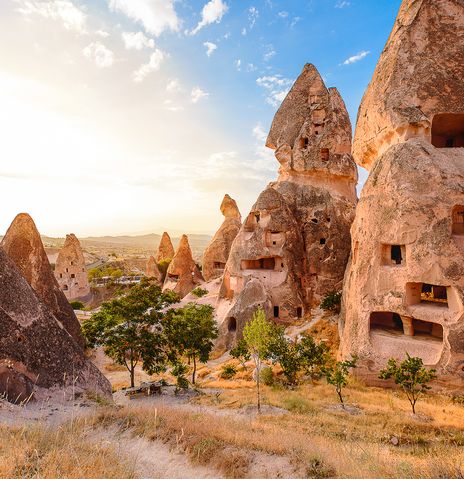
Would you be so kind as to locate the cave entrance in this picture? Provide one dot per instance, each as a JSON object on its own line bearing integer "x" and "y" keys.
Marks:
{"x": 448, "y": 130}
{"x": 261, "y": 263}
{"x": 458, "y": 220}
{"x": 232, "y": 325}
{"x": 386, "y": 321}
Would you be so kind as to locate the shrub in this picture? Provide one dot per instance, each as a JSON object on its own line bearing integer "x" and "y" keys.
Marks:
{"x": 77, "y": 305}
{"x": 228, "y": 371}
{"x": 297, "y": 405}
{"x": 163, "y": 266}
{"x": 337, "y": 375}
{"x": 199, "y": 292}
{"x": 332, "y": 301}
{"x": 241, "y": 353}
{"x": 266, "y": 375}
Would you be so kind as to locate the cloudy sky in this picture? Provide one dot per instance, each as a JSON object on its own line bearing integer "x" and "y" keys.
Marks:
{"x": 136, "y": 116}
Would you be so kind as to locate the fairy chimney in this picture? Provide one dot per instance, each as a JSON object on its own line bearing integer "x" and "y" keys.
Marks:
{"x": 70, "y": 270}
{"x": 22, "y": 243}
{"x": 404, "y": 287}
{"x": 295, "y": 241}
{"x": 36, "y": 351}
{"x": 183, "y": 274}
{"x": 152, "y": 270}
{"x": 165, "y": 248}
{"x": 217, "y": 252}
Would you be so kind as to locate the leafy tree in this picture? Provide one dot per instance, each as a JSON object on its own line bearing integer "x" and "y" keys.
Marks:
{"x": 199, "y": 292}
{"x": 163, "y": 266}
{"x": 337, "y": 374}
{"x": 257, "y": 334}
{"x": 77, "y": 305}
{"x": 314, "y": 356}
{"x": 411, "y": 376}
{"x": 179, "y": 371}
{"x": 241, "y": 352}
{"x": 129, "y": 328}
{"x": 190, "y": 332}
{"x": 332, "y": 301}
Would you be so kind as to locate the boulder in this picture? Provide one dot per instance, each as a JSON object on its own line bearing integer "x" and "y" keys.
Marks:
{"x": 22, "y": 243}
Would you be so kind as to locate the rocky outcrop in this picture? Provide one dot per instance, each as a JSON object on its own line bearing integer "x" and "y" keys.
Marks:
{"x": 417, "y": 89}
{"x": 183, "y": 274}
{"x": 36, "y": 351}
{"x": 152, "y": 270}
{"x": 295, "y": 241}
{"x": 165, "y": 248}
{"x": 70, "y": 270}
{"x": 23, "y": 245}
{"x": 217, "y": 252}
{"x": 404, "y": 287}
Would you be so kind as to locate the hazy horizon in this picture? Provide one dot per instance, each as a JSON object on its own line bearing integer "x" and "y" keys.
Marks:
{"x": 122, "y": 117}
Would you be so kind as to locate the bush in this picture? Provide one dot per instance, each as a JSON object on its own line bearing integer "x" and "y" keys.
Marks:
{"x": 228, "y": 371}
{"x": 332, "y": 301}
{"x": 199, "y": 292}
{"x": 163, "y": 266}
{"x": 298, "y": 405}
{"x": 266, "y": 376}
{"x": 77, "y": 305}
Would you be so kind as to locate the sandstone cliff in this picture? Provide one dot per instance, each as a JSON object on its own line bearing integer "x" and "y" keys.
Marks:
{"x": 165, "y": 248}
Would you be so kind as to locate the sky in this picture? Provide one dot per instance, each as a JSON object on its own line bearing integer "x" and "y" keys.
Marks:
{"x": 137, "y": 116}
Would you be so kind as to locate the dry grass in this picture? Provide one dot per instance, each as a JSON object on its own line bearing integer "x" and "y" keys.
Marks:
{"x": 38, "y": 452}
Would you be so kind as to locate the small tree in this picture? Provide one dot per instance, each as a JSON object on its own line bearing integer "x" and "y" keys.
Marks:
{"x": 257, "y": 334}
{"x": 163, "y": 266}
{"x": 129, "y": 328}
{"x": 190, "y": 332}
{"x": 199, "y": 292}
{"x": 332, "y": 301}
{"x": 411, "y": 376}
{"x": 77, "y": 305}
{"x": 286, "y": 353}
{"x": 337, "y": 375}
{"x": 314, "y": 356}
{"x": 241, "y": 353}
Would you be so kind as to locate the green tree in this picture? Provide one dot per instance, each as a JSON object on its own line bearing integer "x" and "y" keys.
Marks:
{"x": 411, "y": 376}
{"x": 241, "y": 353}
{"x": 77, "y": 305}
{"x": 337, "y": 374}
{"x": 257, "y": 334}
{"x": 163, "y": 266}
{"x": 332, "y": 301}
{"x": 285, "y": 352}
{"x": 129, "y": 328}
{"x": 190, "y": 332}
{"x": 314, "y": 356}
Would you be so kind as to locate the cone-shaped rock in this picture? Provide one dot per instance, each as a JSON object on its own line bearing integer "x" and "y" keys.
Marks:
{"x": 165, "y": 248}
{"x": 217, "y": 252}
{"x": 35, "y": 350}
{"x": 404, "y": 286}
{"x": 152, "y": 270}
{"x": 23, "y": 245}
{"x": 70, "y": 270}
{"x": 417, "y": 88}
{"x": 183, "y": 274}
{"x": 295, "y": 241}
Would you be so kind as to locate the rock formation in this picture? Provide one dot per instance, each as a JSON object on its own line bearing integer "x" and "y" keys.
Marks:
{"x": 404, "y": 287}
{"x": 165, "y": 248}
{"x": 295, "y": 241}
{"x": 152, "y": 270}
{"x": 183, "y": 274}
{"x": 70, "y": 270}
{"x": 36, "y": 351}
{"x": 23, "y": 245}
{"x": 217, "y": 252}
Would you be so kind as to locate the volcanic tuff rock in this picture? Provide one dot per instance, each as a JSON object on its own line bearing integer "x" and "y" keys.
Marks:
{"x": 404, "y": 286}
{"x": 417, "y": 82}
{"x": 152, "y": 270}
{"x": 23, "y": 245}
{"x": 70, "y": 270}
{"x": 217, "y": 252}
{"x": 183, "y": 274}
{"x": 165, "y": 248}
{"x": 35, "y": 349}
{"x": 295, "y": 241}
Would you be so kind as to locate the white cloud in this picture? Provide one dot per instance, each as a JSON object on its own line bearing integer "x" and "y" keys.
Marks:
{"x": 137, "y": 41}
{"x": 170, "y": 105}
{"x": 283, "y": 14}
{"x": 253, "y": 14}
{"x": 244, "y": 31}
{"x": 198, "y": 94}
{"x": 156, "y": 58}
{"x": 264, "y": 155}
{"x": 212, "y": 12}
{"x": 101, "y": 55}
{"x": 276, "y": 88}
{"x": 73, "y": 17}
{"x": 269, "y": 53}
{"x": 238, "y": 64}
{"x": 342, "y": 4}
{"x": 174, "y": 86}
{"x": 156, "y": 16}
{"x": 356, "y": 58}
{"x": 102, "y": 33}
{"x": 210, "y": 47}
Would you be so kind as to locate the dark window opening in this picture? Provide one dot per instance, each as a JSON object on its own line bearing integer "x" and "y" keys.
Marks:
{"x": 448, "y": 130}
{"x": 261, "y": 263}
{"x": 73, "y": 275}
{"x": 314, "y": 220}
{"x": 299, "y": 312}
{"x": 322, "y": 241}
{"x": 395, "y": 254}
{"x": 276, "y": 311}
{"x": 434, "y": 294}
{"x": 274, "y": 243}
{"x": 65, "y": 287}
{"x": 425, "y": 328}
{"x": 325, "y": 155}
{"x": 304, "y": 142}
{"x": 219, "y": 265}
{"x": 61, "y": 275}
{"x": 66, "y": 270}
{"x": 72, "y": 263}
{"x": 458, "y": 220}
{"x": 83, "y": 270}
{"x": 386, "y": 321}
{"x": 174, "y": 277}
{"x": 232, "y": 325}
{"x": 328, "y": 220}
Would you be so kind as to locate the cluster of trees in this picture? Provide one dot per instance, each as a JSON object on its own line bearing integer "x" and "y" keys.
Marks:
{"x": 264, "y": 341}
{"x": 141, "y": 328}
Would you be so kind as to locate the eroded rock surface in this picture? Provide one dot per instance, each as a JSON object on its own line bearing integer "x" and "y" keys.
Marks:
{"x": 165, "y": 248}
{"x": 217, "y": 252}
{"x": 70, "y": 270}
{"x": 152, "y": 270}
{"x": 23, "y": 245}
